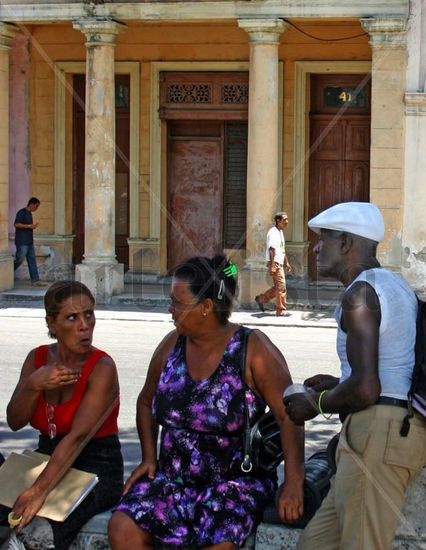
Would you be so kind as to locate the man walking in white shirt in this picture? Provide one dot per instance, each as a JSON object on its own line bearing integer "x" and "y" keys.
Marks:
{"x": 278, "y": 264}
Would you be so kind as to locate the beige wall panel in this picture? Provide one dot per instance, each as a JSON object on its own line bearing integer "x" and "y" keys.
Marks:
{"x": 386, "y": 178}
{"x": 387, "y": 158}
{"x": 387, "y": 119}
{"x": 391, "y": 60}
{"x": 386, "y": 138}
{"x": 389, "y": 100}
{"x": 387, "y": 198}
{"x": 4, "y": 174}
{"x": 4, "y": 115}
{"x": 388, "y": 80}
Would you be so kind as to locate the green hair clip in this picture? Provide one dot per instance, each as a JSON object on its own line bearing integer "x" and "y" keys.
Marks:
{"x": 231, "y": 270}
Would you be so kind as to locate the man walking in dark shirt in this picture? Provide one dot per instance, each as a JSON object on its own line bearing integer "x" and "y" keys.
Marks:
{"x": 24, "y": 227}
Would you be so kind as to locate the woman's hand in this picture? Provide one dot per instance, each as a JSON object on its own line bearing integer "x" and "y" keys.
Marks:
{"x": 54, "y": 376}
{"x": 145, "y": 468}
{"x": 27, "y": 505}
{"x": 290, "y": 502}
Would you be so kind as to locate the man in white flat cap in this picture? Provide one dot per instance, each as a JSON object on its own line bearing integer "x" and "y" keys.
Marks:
{"x": 278, "y": 264}
{"x": 375, "y": 343}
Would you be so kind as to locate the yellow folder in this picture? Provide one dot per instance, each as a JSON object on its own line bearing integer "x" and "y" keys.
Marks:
{"x": 19, "y": 471}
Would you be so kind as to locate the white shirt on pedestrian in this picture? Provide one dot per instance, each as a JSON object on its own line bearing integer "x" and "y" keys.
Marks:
{"x": 275, "y": 239}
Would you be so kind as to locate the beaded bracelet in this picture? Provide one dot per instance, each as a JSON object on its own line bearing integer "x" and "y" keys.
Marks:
{"x": 327, "y": 417}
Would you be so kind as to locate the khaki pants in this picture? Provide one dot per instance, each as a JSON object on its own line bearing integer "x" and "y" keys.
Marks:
{"x": 374, "y": 466}
{"x": 278, "y": 291}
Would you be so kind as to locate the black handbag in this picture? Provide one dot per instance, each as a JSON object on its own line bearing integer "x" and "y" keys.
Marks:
{"x": 262, "y": 441}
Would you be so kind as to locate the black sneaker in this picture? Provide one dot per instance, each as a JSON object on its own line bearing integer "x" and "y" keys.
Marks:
{"x": 260, "y": 305}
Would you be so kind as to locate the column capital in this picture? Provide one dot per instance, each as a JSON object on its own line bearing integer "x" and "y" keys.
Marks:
{"x": 385, "y": 32}
{"x": 7, "y": 32}
{"x": 263, "y": 30}
{"x": 99, "y": 31}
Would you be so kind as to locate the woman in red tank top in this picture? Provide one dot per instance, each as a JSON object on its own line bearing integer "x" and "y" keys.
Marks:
{"x": 63, "y": 391}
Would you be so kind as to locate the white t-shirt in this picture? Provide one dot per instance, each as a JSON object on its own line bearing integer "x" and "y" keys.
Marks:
{"x": 275, "y": 239}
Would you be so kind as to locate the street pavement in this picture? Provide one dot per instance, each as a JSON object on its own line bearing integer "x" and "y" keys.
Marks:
{"x": 130, "y": 335}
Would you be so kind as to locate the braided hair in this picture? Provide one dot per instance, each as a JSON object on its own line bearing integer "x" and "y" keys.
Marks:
{"x": 206, "y": 278}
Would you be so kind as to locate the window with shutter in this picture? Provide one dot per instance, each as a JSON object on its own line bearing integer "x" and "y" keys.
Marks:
{"x": 234, "y": 185}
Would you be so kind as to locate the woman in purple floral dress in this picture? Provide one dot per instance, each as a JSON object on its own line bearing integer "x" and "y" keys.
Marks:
{"x": 195, "y": 495}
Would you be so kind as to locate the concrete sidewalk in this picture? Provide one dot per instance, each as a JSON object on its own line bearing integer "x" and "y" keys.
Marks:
{"x": 158, "y": 314}
{"x": 309, "y": 306}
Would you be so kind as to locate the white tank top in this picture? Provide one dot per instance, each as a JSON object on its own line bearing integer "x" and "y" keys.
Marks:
{"x": 398, "y": 305}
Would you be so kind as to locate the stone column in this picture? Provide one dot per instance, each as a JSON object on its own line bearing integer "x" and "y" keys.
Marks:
{"x": 100, "y": 270}
{"x": 263, "y": 185}
{"x": 7, "y": 32}
{"x": 388, "y": 81}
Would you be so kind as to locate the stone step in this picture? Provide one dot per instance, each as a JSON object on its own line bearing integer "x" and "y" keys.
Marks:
{"x": 410, "y": 535}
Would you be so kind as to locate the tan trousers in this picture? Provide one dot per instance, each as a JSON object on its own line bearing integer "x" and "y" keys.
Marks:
{"x": 278, "y": 291}
{"x": 374, "y": 466}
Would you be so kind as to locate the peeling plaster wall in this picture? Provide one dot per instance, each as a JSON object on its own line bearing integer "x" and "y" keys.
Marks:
{"x": 19, "y": 158}
{"x": 413, "y": 239}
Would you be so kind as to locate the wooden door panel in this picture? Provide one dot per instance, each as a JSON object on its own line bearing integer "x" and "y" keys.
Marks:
{"x": 356, "y": 181}
{"x": 326, "y": 184}
{"x": 358, "y": 140}
{"x": 327, "y": 139}
{"x": 195, "y": 198}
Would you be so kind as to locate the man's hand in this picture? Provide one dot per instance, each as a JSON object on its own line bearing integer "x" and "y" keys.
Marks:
{"x": 301, "y": 407}
{"x": 320, "y": 382}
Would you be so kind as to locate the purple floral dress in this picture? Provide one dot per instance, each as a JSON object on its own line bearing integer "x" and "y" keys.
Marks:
{"x": 200, "y": 496}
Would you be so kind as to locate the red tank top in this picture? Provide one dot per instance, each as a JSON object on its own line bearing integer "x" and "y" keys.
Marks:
{"x": 64, "y": 412}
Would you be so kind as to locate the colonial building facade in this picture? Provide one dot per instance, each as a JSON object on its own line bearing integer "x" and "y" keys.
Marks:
{"x": 152, "y": 131}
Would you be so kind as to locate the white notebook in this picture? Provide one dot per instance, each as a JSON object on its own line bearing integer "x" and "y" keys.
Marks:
{"x": 19, "y": 471}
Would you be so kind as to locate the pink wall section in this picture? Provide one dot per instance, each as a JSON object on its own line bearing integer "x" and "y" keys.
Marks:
{"x": 19, "y": 157}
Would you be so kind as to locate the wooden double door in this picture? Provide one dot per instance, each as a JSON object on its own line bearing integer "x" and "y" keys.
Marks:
{"x": 122, "y": 148}
{"x": 207, "y": 166}
{"x": 339, "y": 161}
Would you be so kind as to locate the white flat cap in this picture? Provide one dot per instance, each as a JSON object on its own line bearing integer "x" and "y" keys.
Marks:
{"x": 359, "y": 218}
